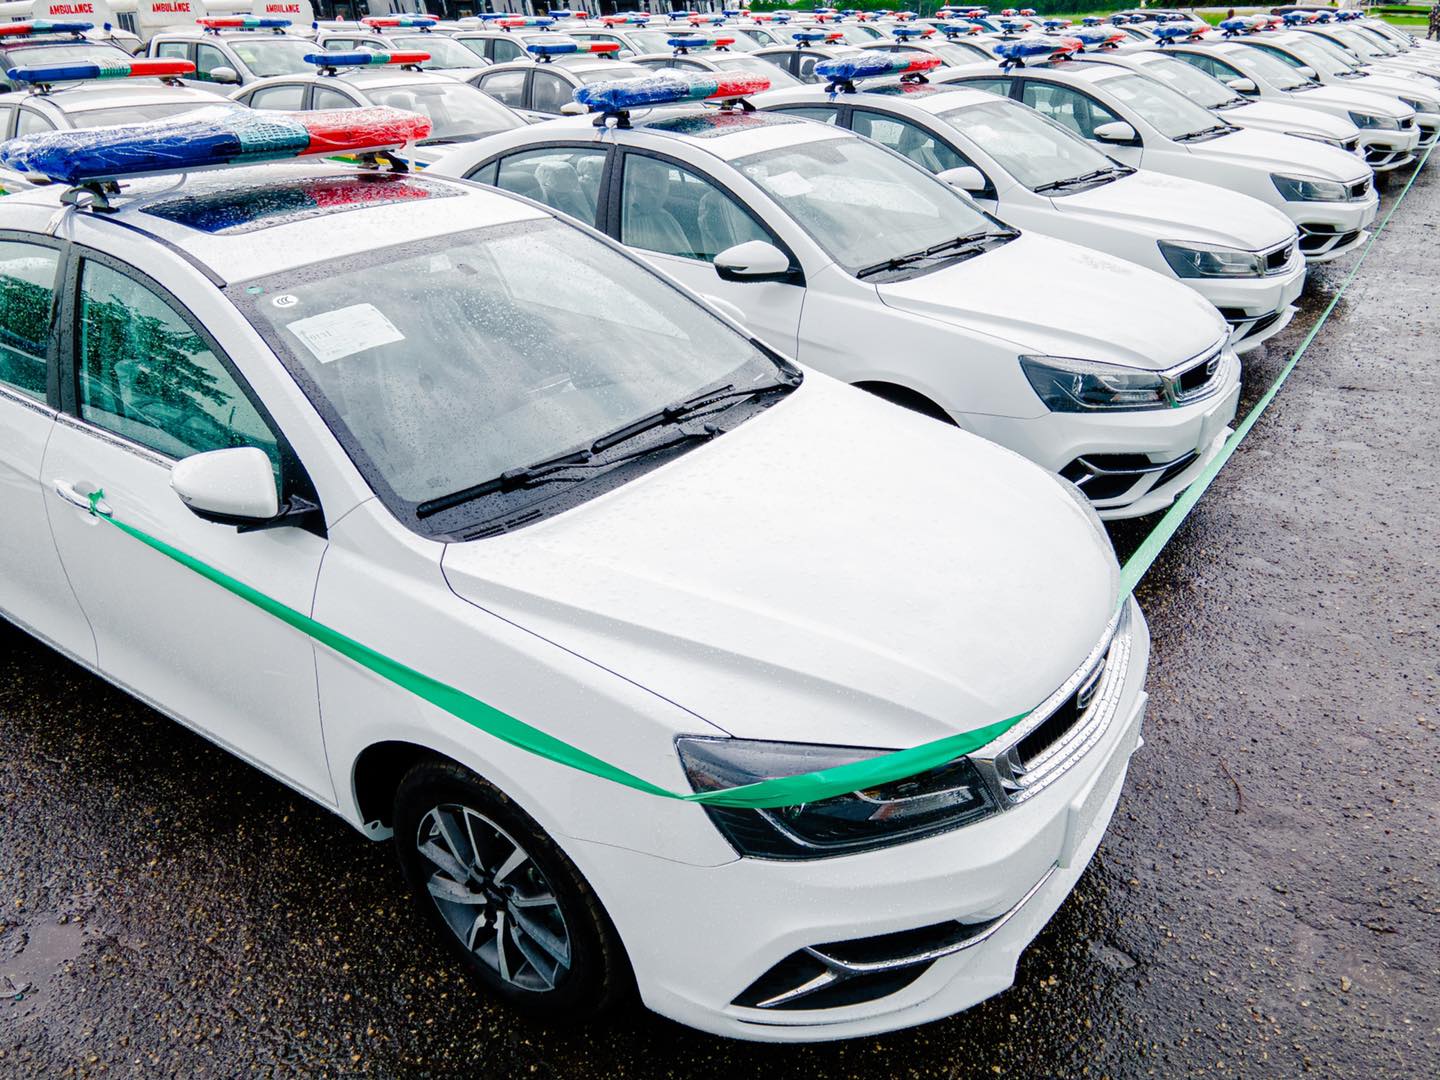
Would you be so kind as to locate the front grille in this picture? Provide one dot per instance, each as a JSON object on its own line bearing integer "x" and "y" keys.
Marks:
{"x": 1360, "y": 190}
{"x": 1407, "y": 123}
{"x": 1276, "y": 261}
{"x": 1351, "y": 144}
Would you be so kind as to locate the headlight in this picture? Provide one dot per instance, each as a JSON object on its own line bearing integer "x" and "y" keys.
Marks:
{"x": 1419, "y": 106}
{"x": 1371, "y": 120}
{"x": 1201, "y": 261}
{"x": 930, "y": 802}
{"x": 1299, "y": 189}
{"x": 1066, "y": 385}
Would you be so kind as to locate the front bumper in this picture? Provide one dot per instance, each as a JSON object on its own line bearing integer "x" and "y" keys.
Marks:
{"x": 1131, "y": 463}
{"x": 1330, "y": 229}
{"x": 698, "y": 938}
{"x": 1386, "y": 150}
{"x": 1256, "y": 308}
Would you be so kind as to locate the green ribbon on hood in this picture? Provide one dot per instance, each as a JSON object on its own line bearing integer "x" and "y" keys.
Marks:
{"x": 764, "y": 794}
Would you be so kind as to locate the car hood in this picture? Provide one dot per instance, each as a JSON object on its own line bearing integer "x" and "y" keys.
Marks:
{"x": 1173, "y": 208}
{"x": 1398, "y": 85}
{"x": 1047, "y": 296}
{"x": 1273, "y": 152}
{"x": 1278, "y": 115}
{"x": 1345, "y": 97}
{"x": 835, "y": 570}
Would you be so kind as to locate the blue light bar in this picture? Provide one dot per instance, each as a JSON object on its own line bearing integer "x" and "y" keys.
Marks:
{"x": 1090, "y": 35}
{"x": 1234, "y": 26}
{"x": 687, "y": 42}
{"x": 667, "y": 88}
{"x": 1172, "y": 33}
{"x": 1014, "y": 53}
{"x": 876, "y": 64}
{"x": 553, "y": 48}
{"x": 905, "y": 33}
{"x": 803, "y": 36}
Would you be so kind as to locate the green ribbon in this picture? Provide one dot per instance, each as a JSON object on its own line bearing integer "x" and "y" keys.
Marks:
{"x": 765, "y": 794}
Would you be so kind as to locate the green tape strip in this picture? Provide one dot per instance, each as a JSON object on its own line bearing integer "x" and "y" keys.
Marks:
{"x": 766, "y": 794}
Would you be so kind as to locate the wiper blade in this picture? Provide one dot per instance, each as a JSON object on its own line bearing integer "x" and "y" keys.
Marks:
{"x": 1214, "y": 129}
{"x": 1084, "y": 178}
{"x": 953, "y": 245}
{"x": 584, "y": 458}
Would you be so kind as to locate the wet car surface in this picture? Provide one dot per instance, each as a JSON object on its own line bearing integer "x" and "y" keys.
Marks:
{"x": 1267, "y": 900}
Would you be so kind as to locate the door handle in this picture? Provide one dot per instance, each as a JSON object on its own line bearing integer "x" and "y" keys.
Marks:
{"x": 72, "y": 495}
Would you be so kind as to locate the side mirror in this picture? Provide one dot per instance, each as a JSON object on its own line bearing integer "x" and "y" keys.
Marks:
{"x": 1116, "y": 131}
{"x": 1306, "y": 70}
{"x": 573, "y": 108}
{"x": 229, "y": 487}
{"x": 965, "y": 177}
{"x": 227, "y": 75}
{"x": 754, "y": 260}
{"x": 1242, "y": 86}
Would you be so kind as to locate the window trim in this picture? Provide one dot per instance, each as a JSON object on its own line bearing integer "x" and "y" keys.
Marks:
{"x": 296, "y": 487}
{"x": 313, "y": 88}
{"x": 602, "y": 194}
{"x": 51, "y": 402}
{"x": 615, "y": 192}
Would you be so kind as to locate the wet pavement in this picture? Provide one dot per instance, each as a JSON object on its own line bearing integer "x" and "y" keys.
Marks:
{"x": 1267, "y": 900}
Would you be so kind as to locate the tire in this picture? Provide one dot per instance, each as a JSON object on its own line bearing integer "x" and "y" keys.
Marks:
{"x": 559, "y": 961}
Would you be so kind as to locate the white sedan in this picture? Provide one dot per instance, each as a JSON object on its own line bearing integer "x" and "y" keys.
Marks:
{"x": 846, "y": 255}
{"x": 1235, "y": 251}
{"x": 412, "y": 494}
{"x": 1328, "y": 193}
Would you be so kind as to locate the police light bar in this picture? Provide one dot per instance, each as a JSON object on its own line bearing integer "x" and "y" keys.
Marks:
{"x": 364, "y": 58}
{"x": 1028, "y": 12}
{"x": 1055, "y": 24}
{"x": 673, "y": 15}
{"x": 1094, "y": 35}
{"x": 516, "y": 22}
{"x": 631, "y": 18}
{"x": 43, "y": 26}
{"x": 1015, "y": 53}
{"x": 844, "y": 72}
{"x": 905, "y": 33}
{"x": 207, "y": 139}
{"x": 951, "y": 29}
{"x": 701, "y": 20}
{"x": 685, "y": 44}
{"x": 1347, "y": 16}
{"x": 1172, "y": 33}
{"x": 618, "y": 96}
{"x": 409, "y": 22}
{"x": 1090, "y": 20}
{"x": 1236, "y": 26}
{"x": 780, "y": 18}
{"x": 565, "y": 46}
{"x": 904, "y": 16}
{"x": 84, "y": 71}
{"x": 566, "y": 13}
{"x": 805, "y": 37}
{"x": 242, "y": 22}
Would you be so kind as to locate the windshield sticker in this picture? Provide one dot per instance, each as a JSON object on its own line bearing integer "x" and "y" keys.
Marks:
{"x": 345, "y": 331}
{"x": 790, "y": 184}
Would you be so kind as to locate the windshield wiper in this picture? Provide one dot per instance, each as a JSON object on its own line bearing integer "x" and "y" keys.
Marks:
{"x": 956, "y": 245}
{"x": 1110, "y": 173}
{"x": 585, "y": 457}
{"x": 1214, "y": 129}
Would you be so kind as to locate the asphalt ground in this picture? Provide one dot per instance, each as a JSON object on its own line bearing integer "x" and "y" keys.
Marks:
{"x": 1266, "y": 903}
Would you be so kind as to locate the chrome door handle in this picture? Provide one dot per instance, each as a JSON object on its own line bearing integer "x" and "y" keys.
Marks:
{"x": 72, "y": 495}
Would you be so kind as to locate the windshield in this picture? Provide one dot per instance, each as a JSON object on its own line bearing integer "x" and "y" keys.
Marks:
{"x": 1276, "y": 72}
{"x": 266, "y": 56}
{"x": 1337, "y": 55}
{"x": 1361, "y": 44}
{"x": 1204, "y": 90}
{"x": 1310, "y": 55}
{"x": 861, "y": 203}
{"x": 612, "y": 70}
{"x": 27, "y": 56}
{"x": 444, "y": 53}
{"x": 458, "y": 112}
{"x": 651, "y": 41}
{"x": 444, "y": 363}
{"x": 1035, "y": 150}
{"x": 1170, "y": 113}
{"x": 152, "y": 110}
{"x": 754, "y": 65}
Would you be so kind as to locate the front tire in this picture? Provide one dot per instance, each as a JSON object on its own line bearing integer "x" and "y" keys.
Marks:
{"x": 507, "y": 900}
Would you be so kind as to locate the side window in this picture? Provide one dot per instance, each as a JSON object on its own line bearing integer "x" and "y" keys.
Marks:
{"x": 27, "y": 289}
{"x": 782, "y": 60}
{"x": 670, "y": 210}
{"x": 805, "y": 66}
{"x": 290, "y": 96}
{"x": 485, "y": 174}
{"x": 1209, "y": 65}
{"x": 7, "y": 118}
{"x": 1079, "y": 112}
{"x": 911, "y": 140}
{"x": 506, "y": 49}
{"x": 325, "y": 98}
{"x": 549, "y": 92}
{"x": 567, "y": 178}
{"x": 147, "y": 375}
{"x": 506, "y": 87}
{"x": 990, "y": 86}
{"x": 173, "y": 50}
{"x": 207, "y": 59}
{"x": 826, "y": 114}
{"x": 30, "y": 123}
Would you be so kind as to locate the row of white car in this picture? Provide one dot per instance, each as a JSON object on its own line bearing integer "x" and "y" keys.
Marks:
{"x": 493, "y": 516}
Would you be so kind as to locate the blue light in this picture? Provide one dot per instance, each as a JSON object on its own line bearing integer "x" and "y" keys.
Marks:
{"x": 1171, "y": 33}
{"x": 809, "y": 35}
{"x": 687, "y": 42}
{"x": 553, "y": 48}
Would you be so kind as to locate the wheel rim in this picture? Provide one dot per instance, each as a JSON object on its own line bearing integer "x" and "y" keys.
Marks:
{"x": 494, "y": 897}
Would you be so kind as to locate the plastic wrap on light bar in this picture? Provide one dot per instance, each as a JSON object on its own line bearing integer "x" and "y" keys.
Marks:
{"x": 242, "y": 22}
{"x": 1016, "y": 52}
{"x": 875, "y": 64}
{"x": 85, "y": 70}
{"x": 207, "y": 139}
{"x": 365, "y": 58}
{"x": 630, "y": 18}
{"x": 408, "y": 21}
{"x": 1096, "y": 35}
{"x": 517, "y": 22}
{"x": 667, "y": 88}
{"x": 43, "y": 26}
{"x": 565, "y": 46}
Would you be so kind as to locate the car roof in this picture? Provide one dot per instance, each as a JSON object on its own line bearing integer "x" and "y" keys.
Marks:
{"x": 308, "y": 211}
{"x": 725, "y": 135}
{"x": 77, "y": 97}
